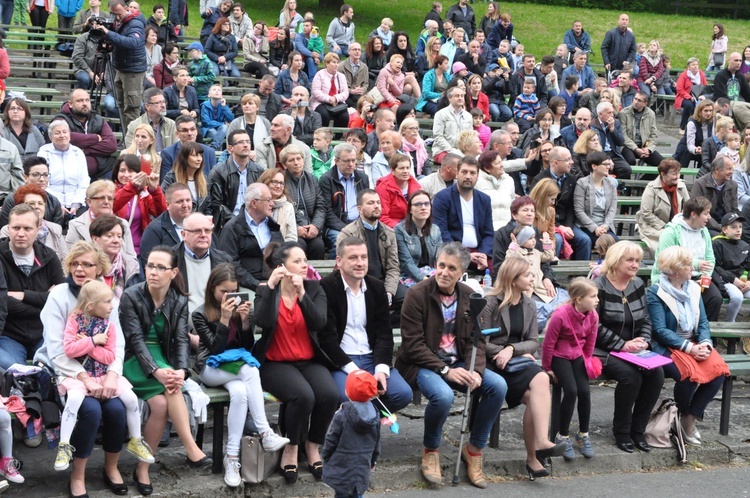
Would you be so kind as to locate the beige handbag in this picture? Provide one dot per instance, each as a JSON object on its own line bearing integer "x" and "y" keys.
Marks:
{"x": 256, "y": 463}
{"x": 375, "y": 95}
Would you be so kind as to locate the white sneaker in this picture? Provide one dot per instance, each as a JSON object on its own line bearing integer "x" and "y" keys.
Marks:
{"x": 4, "y": 486}
{"x": 273, "y": 442}
{"x": 232, "y": 472}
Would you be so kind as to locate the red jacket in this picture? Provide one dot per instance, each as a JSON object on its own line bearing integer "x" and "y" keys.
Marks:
{"x": 392, "y": 200}
{"x": 151, "y": 205}
{"x": 483, "y": 103}
{"x": 684, "y": 84}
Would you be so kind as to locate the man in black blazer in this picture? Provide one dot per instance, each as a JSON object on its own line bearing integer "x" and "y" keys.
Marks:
{"x": 166, "y": 229}
{"x": 358, "y": 333}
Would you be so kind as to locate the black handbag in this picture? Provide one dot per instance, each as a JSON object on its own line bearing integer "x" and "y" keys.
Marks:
{"x": 699, "y": 90}
{"x": 518, "y": 363}
{"x": 335, "y": 109}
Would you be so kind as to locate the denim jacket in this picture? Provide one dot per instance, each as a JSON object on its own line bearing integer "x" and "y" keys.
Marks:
{"x": 410, "y": 250}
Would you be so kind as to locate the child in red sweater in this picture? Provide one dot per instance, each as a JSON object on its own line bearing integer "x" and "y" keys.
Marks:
{"x": 571, "y": 335}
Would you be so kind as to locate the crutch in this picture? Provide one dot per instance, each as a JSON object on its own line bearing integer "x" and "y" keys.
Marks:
{"x": 477, "y": 302}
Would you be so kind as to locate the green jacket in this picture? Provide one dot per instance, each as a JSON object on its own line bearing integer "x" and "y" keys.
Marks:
{"x": 202, "y": 72}
{"x": 672, "y": 236}
{"x": 318, "y": 165}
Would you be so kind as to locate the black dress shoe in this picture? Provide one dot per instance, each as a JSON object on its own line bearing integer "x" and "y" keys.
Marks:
{"x": 642, "y": 445}
{"x": 556, "y": 450}
{"x": 144, "y": 489}
{"x": 117, "y": 488}
{"x": 290, "y": 473}
{"x": 316, "y": 469}
{"x": 627, "y": 446}
{"x": 206, "y": 461}
{"x": 71, "y": 495}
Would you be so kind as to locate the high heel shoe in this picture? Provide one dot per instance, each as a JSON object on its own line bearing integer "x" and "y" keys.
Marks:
{"x": 533, "y": 474}
{"x": 556, "y": 450}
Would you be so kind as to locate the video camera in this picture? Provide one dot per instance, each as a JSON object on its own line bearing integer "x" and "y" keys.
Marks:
{"x": 97, "y": 35}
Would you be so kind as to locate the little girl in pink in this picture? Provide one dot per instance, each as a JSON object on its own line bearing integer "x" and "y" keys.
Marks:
{"x": 90, "y": 338}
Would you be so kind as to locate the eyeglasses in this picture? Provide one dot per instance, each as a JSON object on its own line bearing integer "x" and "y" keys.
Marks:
{"x": 102, "y": 198}
{"x": 157, "y": 268}
{"x": 346, "y": 161}
{"x": 36, "y": 176}
{"x": 163, "y": 102}
{"x": 86, "y": 266}
{"x": 15, "y": 109}
{"x": 507, "y": 144}
{"x": 263, "y": 200}
{"x": 202, "y": 231}
{"x": 421, "y": 204}
{"x": 276, "y": 183}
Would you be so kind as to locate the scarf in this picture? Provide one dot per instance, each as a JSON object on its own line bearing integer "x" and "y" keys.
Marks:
{"x": 115, "y": 275}
{"x": 74, "y": 288}
{"x": 43, "y": 232}
{"x": 91, "y": 326}
{"x": 654, "y": 61}
{"x": 695, "y": 78}
{"x": 672, "y": 192}
{"x": 421, "y": 152}
{"x": 685, "y": 307}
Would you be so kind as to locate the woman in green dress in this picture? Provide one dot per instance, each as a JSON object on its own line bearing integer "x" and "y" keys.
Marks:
{"x": 154, "y": 319}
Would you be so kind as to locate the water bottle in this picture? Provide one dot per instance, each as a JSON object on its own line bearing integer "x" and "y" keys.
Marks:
{"x": 487, "y": 279}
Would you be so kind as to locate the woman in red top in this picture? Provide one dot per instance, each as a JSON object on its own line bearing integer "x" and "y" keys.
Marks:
{"x": 290, "y": 311}
{"x": 138, "y": 196}
{"x": 395, "y": 188}
{"x": 477, "y": 98}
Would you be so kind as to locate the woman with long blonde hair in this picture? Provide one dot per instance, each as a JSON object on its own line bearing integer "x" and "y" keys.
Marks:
{"x": 513, "y": 312}
{"x": 545, "y": 194}
{"x": 144, "y": 145}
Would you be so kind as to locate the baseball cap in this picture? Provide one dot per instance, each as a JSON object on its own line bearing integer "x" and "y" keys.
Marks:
{"x": 730, "y": 218}
{"x": 492, "y": 67}
{"x": 361, "y": 386}
{"x": 196, "y": 46}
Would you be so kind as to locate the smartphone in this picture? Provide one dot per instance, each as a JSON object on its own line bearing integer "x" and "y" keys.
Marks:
{"x": 244, "y": 296}
{"x": 380, "y": 386}
{"x": 535, "y": 140}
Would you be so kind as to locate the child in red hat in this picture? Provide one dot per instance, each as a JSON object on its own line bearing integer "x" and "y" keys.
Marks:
{"x": 352, "y": 444}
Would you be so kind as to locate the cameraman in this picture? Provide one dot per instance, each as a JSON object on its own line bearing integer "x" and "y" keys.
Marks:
{"x": 128, "y": 58}
{"x": 84, "y": 56}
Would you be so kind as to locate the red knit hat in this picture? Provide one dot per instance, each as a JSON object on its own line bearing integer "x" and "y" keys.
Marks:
{"x": 361, "y": 386}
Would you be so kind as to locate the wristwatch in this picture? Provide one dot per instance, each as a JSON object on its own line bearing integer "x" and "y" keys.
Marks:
{"x": 444, "y": 371}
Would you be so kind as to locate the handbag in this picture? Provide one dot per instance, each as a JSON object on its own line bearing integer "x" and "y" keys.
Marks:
{"x": 518, "y": 363}
{"x": 697, "y": 91}
{"x": 256, "y": 463}
{"x": 718, "y": 60}
{"x": 335, "y": 109}
{"x": 664, "y": 429}
{"x": 375, "y": 95}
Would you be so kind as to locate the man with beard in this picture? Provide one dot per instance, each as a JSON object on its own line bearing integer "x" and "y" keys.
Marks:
{"x": 270, "y": 101}
{"x": 90, "y": 133}
{"x": 165, "y": 130}
{"x": 571, "y": 133}
{"x": 464, "y": 214}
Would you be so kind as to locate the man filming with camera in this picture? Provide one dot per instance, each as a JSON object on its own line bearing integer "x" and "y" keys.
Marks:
{"x": 128, "y": 39}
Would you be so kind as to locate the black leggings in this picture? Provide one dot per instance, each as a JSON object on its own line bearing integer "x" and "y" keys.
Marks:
{"x": 340, "y": 119}
{"x": 309, "y": 394}
{"x": 572, "y": 378}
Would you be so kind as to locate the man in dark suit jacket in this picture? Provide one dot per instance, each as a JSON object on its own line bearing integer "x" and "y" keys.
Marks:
{"x": 560, "y": 163}
{"x": 339, "y": 187}
{"x": 187, "y": 131}
{"x": 358, "y": 333}
{"x": 611, "y": 138}
{"x": 449, "y": 214}
{"x": 246, "y": 236}
{"x": 166, "y": 229}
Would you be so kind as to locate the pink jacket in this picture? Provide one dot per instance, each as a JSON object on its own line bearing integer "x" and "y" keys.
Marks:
{"x": 390, "y": 92}
{"x": 560, "y": 340}
{"x": 321, "y": 85}
{"x": 75, "y": 348}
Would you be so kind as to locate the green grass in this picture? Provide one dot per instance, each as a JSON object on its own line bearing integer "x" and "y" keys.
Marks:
{"x": 539, "y": 27}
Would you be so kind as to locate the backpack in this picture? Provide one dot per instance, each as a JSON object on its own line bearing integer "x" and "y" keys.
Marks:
{"x": 664, "y": 429}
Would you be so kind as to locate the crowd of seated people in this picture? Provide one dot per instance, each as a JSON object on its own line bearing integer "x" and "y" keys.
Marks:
{"x": 328, "y": 159}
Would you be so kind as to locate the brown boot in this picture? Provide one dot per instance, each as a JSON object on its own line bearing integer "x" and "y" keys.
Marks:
{"x": 474, "y": 468}
{"x": 431, "y": 468}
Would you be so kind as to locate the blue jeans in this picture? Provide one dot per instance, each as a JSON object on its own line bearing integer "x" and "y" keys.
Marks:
{"x": 500, "y": 112}
{"x": 12, "y": 351}
{"x": 217, "y": 136}
{"x": 692, "y": 398}
{"x": 343, "y": 50}
{"x": 594, "y": 237}
{"x": 581, "y": 244}
{"x": 312, "y": 68}
{"x": 398, "y": 393}
{"x": 230, "y": 69}
{"x": 331, "y": 236}
{"x": 439, "y": 396}
{"x": 6, "y": 11}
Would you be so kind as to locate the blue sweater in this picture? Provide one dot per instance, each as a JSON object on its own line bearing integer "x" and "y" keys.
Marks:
{"x": 213, "y": 117}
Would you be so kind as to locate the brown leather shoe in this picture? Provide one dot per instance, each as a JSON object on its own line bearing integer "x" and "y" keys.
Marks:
{"x": 474, "y": 468}
{"x": 431, "y": 468}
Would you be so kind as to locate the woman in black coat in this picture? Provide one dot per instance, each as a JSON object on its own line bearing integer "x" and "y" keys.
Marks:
{"x": 293, "y": 367}
{"x": 154, "y": 320}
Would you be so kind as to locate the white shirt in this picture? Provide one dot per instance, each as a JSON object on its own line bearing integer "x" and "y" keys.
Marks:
{"x": 354, "y": 341}
{"x": 68, "y": 174}
{"x": 469, "y": 240}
